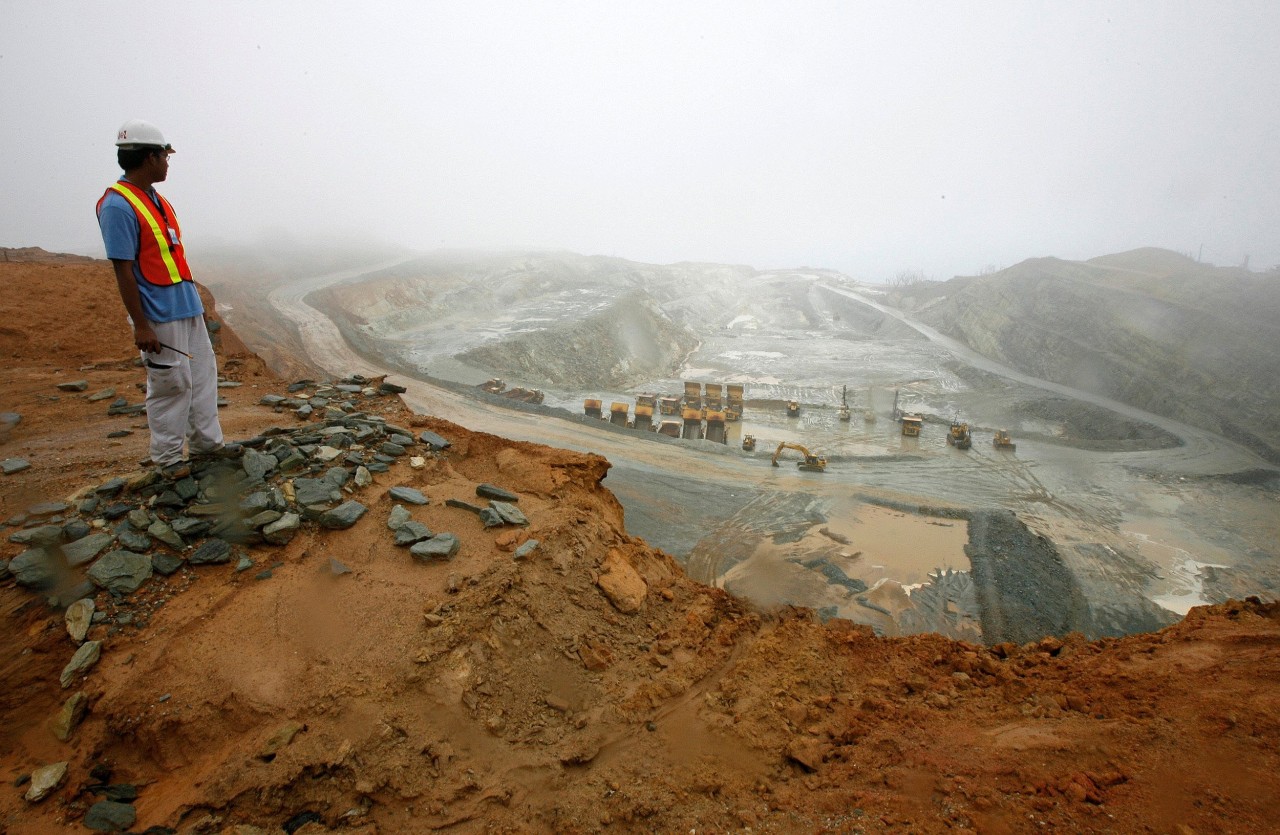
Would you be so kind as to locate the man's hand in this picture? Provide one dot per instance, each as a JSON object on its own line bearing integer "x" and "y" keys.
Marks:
{"x": 145, "y": 338}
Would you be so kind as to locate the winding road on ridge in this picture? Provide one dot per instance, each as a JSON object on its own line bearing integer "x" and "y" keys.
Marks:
{"x": 1216, "y": 453}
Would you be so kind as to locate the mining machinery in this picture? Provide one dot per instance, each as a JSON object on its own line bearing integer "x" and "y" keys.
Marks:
{"x": 958, "y": 436}
{"x": 811, "y": 463}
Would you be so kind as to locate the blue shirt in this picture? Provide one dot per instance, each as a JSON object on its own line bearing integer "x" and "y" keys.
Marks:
{"x": 160, "y": 303}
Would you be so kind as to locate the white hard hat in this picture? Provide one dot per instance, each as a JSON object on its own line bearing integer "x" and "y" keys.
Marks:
{"x": 136, "y": 133}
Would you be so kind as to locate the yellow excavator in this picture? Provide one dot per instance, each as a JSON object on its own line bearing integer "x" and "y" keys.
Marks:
{"x": 811, "y": 463}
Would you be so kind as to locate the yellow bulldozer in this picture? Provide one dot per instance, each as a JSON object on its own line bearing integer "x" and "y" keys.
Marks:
{"x": 1003, "y": 441}
{"x": 811, "y": 463}
{"x": 749, "y": 442}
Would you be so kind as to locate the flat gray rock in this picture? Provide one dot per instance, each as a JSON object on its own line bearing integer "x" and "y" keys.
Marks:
{"x": 75, "y": 385}
{"x": 412, "y": 532}
{"x": 134, "y": 541}
{"x": 84, "y": 658}
{"x": 398, "y": 516}
{"x": 525, "y": 550}
{"x": 14, "y": 465}
{"x": 33, "y": 569}
{"x": 442, "y": 546}
{"x": 110, "y": 816}
{"x": 188, "y": 528}
{"x": 256, "y": 464}
{"x": 40, "y": 537}
{"x": 211, "y": 552}
{"x": 433, "y": 440}
{"x": 165, "y": 564}
{"x": 409, "y": 495}
{"x": 343, "y": 516}
{"x": 281, "y": 531}
{"x": 84, "y": 550}
{"x": 121, "y": 572}
{"x": 509, "y": 513}
{"x": 161, "y": 530}
{"x": 310, "y": 491}
{"x": 492, "y": 491}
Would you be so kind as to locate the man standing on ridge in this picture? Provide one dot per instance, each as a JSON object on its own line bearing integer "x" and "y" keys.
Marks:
{"x": 144, "y": 242}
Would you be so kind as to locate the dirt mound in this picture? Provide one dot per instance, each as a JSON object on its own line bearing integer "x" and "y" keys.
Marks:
{"x": 586, "y": 684}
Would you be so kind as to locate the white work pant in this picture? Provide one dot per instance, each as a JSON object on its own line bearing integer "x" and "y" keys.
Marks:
{"x": 182, "y": 394}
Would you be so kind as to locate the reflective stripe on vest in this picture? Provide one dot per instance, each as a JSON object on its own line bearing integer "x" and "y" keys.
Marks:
{"x": 159, "y": 260}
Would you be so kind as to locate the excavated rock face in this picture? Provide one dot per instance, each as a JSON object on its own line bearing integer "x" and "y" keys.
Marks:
{"x": 1149, "y": 328}
{"x": 629, "y": 341}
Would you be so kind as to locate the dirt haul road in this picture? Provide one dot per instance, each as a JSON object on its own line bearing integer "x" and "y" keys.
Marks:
{"x": 1133, "y": 529}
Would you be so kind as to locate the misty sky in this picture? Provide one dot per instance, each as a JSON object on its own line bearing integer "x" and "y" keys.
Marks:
{"x": 871, "y": 138}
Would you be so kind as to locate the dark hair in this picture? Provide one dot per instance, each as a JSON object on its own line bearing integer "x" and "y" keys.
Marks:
{"x": 131, "y": 158}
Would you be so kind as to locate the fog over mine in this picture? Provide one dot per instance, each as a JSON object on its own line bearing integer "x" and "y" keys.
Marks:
{"x": 937, "y": 138}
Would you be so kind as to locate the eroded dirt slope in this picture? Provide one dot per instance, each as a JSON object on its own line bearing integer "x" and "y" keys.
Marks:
{"x": 587, "y": 685}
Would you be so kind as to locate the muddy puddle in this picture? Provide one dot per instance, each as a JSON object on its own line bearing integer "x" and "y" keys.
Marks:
{"x": 894, "y": 571}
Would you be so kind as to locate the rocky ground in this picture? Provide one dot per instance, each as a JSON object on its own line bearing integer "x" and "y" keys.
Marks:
{"x": 380, "y": 622}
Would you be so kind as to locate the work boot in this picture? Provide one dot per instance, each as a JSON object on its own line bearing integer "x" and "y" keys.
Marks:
{"x": 175, "y": 471}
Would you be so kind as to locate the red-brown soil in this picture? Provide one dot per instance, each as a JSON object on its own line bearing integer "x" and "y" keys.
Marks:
{"x": 490, "y": 694}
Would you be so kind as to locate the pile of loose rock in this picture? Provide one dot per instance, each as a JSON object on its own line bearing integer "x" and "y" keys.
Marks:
{"x": 128, "y": 529}
{"x": 116, "y": 536}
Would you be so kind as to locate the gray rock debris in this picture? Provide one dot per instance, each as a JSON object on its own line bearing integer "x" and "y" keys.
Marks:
{"x": 33, "y": 569}
{"x": 44, "y": 780}
{"x": 442, "y": 546}
{"x": 14, "y": 465}
{"x": 64, "y": 722}
{"x": 408, "y": 494}
{"x": 110, "y": 816}
{"x": 79, "y": 617}
{"x": 343, "y": 516}
{"x": 121, "y": 572}
{"x": 509, "y": 513}
{"x": 412, "y": 532}
{"x": 84, "y": 658}
{"x": 211, "y": 552}
{"x": 398, "y": 516}
{"x": 84, "y": 550}
{"x": 492, "y": 491}
{"x": 433, "y": 440}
